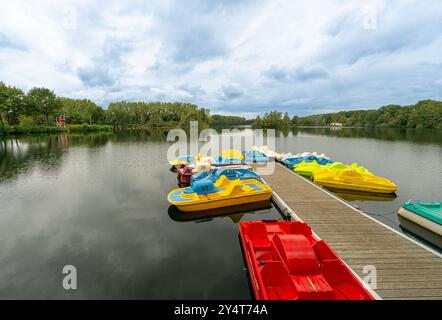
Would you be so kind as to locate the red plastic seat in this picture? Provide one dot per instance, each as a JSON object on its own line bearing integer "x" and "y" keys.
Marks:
{"x": 297, "y": 254}
{"x": 278, "y": 282}
{"x": 258, "y": 233}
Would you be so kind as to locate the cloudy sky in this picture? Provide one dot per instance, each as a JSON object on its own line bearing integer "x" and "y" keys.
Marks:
{"x": 234, "y": 57}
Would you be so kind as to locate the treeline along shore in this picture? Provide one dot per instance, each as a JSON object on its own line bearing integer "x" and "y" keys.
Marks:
{"x": 37, "y": 110}
{"x": 426, "y": 114}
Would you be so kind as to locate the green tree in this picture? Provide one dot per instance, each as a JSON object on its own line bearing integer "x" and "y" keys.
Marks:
{"x": 15, "y": 105}
{"x": 219, "y": 120}
{"x": 80, "y": 111}
{"x": 270, "y": 120}
{"x": 42, "y": 101}
{"x": 257, "y": 123}
{"x": 11, "y": 104}
{"x": 155, "y": 114}
{"x": 3, "y": 98}
{"x": 98, "y": 115}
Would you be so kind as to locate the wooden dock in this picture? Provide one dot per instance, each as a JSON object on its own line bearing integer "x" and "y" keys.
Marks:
{"x": 405, "y": 268}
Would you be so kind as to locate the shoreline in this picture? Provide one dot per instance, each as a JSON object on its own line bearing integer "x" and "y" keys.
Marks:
{"x": 20, "y": 130}
{"x": 351, "y": 127}
{"x": 85, "y": 128}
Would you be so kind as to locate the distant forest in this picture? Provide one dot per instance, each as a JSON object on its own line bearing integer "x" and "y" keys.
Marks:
{"x": 426, "y": 114}
{"x": 40, "y": 107}
{"x": 218, "y": 120}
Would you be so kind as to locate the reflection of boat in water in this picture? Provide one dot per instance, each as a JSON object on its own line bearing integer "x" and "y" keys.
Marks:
{"x": 349, "y": 195}
{"x": 234, "y": 213}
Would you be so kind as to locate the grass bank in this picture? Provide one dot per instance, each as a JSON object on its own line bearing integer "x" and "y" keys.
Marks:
{"x": 11, "y": 130}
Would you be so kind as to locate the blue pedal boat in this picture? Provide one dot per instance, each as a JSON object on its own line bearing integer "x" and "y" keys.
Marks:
{"x": 230, "y": 173}
{"x": 221, "y": 161}
{"x": 255, "y": 156}
{"x": 290, "y": 162}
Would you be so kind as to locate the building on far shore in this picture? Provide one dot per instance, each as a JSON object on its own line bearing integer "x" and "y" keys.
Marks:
{"x": 335, "y": 124}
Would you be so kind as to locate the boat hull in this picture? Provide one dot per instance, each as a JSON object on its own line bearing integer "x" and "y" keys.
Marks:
{"x": 424, "y": 228}
{"x": 307, "y": 174}
{"x": 223, "y": 202}
{"x": 353, "y": 187}
{"x": 233, "y": 212}
{"x": 350, "y": 195}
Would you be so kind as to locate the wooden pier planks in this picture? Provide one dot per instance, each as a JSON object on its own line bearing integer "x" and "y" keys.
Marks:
{"x": 405, "y": 270}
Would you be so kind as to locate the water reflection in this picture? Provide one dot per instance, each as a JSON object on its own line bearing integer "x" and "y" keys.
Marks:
{"x": 414, "y": 135}
{"x": 390, "y": 134}
{"x": 141, "y": 135}
{"x": 98, "y": 201}
{"x": 21, "y": 154}
{"x": 234, "y": 213}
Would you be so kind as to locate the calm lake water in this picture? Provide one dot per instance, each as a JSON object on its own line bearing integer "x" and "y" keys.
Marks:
{"x": 98, "y": 202}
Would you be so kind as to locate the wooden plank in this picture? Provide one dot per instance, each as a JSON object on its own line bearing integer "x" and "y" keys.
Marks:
{"x": 409, "y": 293}
{"x": 408, "y": 285}
{"x": 364, "y": 247}
{"x": 377, "y": 255}
{"x": 405, "y": 270}
{"x": 414, "y": 298}
{"x": 342, "y": 248}
{"x": 409, "y": 277}
{"x": 387, "y": 260}
{"x": 419, "y": 268}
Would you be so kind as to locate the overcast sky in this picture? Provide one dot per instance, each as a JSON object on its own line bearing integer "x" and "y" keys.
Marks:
{"x": 234, "y": 57}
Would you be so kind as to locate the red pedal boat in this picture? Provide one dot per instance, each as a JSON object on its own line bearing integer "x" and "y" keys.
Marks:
{"x": 287, "y": 262}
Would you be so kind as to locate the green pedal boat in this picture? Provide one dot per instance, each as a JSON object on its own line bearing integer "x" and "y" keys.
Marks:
{"x": 423, "y": 219}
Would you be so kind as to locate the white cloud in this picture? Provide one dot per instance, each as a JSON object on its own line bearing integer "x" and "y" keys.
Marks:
{"x": 235, "y": 57}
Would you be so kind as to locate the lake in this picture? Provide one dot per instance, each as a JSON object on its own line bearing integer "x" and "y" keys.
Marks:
{"x": 98, "y": 202}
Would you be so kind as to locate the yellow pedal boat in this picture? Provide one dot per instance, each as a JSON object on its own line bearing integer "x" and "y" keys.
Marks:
{"x": 206, "y": 195}
{"x": 309, "y": 169}
{"x": 188, "y": 159}
{"x": 232, "y": 154}
{"x": 350, "y": 179}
